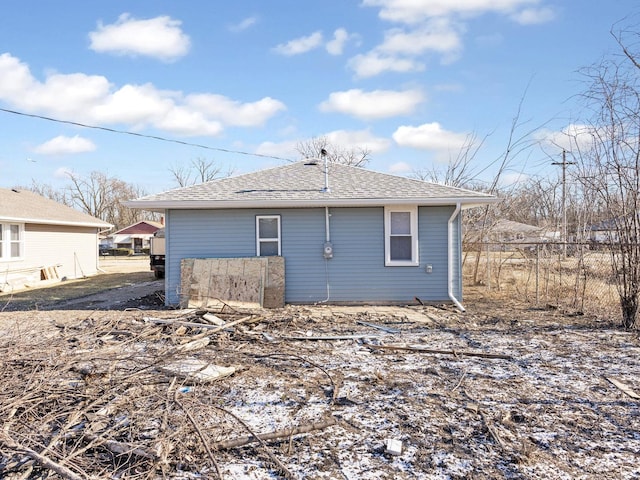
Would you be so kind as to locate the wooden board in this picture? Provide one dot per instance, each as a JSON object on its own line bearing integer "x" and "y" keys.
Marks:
{"x": 251, "y": 282}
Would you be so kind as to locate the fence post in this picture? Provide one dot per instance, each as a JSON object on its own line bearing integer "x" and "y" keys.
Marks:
{"x": 537, "y": 273}
{"x": 488, "y": 268}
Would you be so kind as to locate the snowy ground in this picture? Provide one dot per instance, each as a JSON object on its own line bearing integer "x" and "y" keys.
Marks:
{"x": 501, "y": 391}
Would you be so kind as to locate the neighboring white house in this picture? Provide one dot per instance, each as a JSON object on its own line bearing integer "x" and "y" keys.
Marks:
{"x": 41, "y": 239}
{"x": 509, "y": 231}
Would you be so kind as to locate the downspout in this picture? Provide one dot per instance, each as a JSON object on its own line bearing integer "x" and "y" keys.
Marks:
{"x": 451, "y": 258}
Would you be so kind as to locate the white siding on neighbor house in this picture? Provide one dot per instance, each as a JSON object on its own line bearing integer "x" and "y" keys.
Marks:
{"x": 357, "y": 271}
{"x": 74, "y": 249}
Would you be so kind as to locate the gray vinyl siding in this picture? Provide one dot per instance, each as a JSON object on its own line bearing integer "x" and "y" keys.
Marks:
{"x": 356, "y": 273}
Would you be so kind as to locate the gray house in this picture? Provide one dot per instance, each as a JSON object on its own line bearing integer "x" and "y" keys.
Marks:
{"x": 347, "y": 234}
{"x": 44, "y": 240}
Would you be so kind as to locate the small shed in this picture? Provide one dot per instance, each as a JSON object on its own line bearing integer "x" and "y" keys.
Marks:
{"x": 41, "y": 239}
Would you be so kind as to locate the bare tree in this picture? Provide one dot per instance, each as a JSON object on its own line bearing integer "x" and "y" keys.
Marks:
{"x": 197, "y": 171}
{"x": 314, "y": 148}
{"x": 519, "y": 140}
{"x": 46, "y": 190}
{"x": 610, "y": 165}
{"x": 101, "y": 196}
{"x": 459, "y": 171}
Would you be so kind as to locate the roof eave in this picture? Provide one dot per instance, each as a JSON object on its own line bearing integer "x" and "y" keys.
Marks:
{"x": 161, "y": 205}
{"x": 55, "y": 222}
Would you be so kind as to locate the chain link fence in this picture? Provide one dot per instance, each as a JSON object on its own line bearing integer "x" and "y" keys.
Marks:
{"x": 577, "y": 277}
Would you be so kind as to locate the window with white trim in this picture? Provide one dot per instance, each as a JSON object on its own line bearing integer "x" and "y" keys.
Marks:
{"x": 401, "y": 236}
{"x": 11, "y": 241}
{"x": 268, "y": 236}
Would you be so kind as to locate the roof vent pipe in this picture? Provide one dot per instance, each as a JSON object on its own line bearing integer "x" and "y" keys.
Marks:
{"x": 314, "y": 161}
{"x": 323, "y": 154}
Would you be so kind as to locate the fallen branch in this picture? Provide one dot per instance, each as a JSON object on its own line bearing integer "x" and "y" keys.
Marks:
{"x": 623, "y": 387}
{"x": 213, "y": 328}
{"x": 120, "y": 448}
{"x": 334, "y": 337}
{"x": 283, "y": 469}
{"x": 492, "y": 431}
{"x": 407, "y": 348}
{"x": 334, "y": 387}
{"x": 41, "y": 459}
{"x": 277, "y": 435}
{"x": 379, "y": 327}
{"x": 198, "y": 431}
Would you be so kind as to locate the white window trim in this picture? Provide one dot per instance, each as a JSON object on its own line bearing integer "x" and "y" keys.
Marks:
{"x": 260, "y": 240}
{"x": 413, "y": 215}
{"x": 5, "y": 244}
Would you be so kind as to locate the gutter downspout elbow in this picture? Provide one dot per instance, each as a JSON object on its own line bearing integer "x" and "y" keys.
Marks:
{"x": 451, "y": 259}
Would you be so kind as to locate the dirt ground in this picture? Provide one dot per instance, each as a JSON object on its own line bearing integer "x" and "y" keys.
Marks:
{"x": 317, "y": 392}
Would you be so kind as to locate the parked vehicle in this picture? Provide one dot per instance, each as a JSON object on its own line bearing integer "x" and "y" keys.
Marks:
{"x": 157, "y": 253}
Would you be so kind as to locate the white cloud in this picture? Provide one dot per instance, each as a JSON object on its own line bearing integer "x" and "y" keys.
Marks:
{"x": 533, "y": 16}
{"x": 373, "y": 105}
{"x": 340, "y": 38}
{"x": 363, "y": 139}
{"x": 439, "y": 35}
{"x": 244, "y": 24}
{"x": 61, "y": 145}
{"x": 286, "y": 149}
{"x": 373, "y": 63}
{"x": 300, "y": 45}
{"x": 343, "y": 139}
{"x": 335, "y": 46}
{"x": 235, "y": 113}
{"x": 62, "y": 172}
{"x": 415, "y": 11}
{"x": 400, "y": 167}
{"x": 187, "y": 122}
{"x": 93, "y": 99}
{"x": 434, "y": 27}
{"x": 159, "y": 37}
{"x": 430, "y": 136}
{"x": 573, "y": 137}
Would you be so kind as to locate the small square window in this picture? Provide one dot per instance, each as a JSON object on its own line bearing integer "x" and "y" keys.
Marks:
{"x": 268, "y": 236}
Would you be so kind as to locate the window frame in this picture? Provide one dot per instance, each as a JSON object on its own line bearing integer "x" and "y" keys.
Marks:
{"x": 413, "y": 225}
{"x": 7, "y": 242}
{"x": 277, "y": 239}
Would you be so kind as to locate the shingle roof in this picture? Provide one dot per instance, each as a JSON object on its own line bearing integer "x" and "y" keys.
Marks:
{"x": 300, "y": 184}
{"x": 24, "y": 206}
{"x": 141, "y": 227}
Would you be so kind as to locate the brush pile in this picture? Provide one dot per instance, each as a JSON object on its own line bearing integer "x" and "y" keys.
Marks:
{"x": 317, "y": 393}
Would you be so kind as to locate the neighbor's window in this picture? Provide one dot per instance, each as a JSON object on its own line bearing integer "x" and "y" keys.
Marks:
{"x": 268, "y": 235}
{"x": 401, "y": 236}
{"x": 11, "y": 240}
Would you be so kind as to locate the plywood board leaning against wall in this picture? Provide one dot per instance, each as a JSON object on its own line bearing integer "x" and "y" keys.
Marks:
{"x": 252, "y": 282}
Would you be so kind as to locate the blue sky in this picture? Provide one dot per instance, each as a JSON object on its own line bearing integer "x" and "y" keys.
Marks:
{"x": 409, "y": 80}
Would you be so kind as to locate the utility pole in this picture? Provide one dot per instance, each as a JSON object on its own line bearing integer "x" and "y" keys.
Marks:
{"x": 564, "y": 164}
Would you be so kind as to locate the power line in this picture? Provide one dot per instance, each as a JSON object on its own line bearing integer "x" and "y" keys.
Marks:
{"x": 152, "y": 137}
